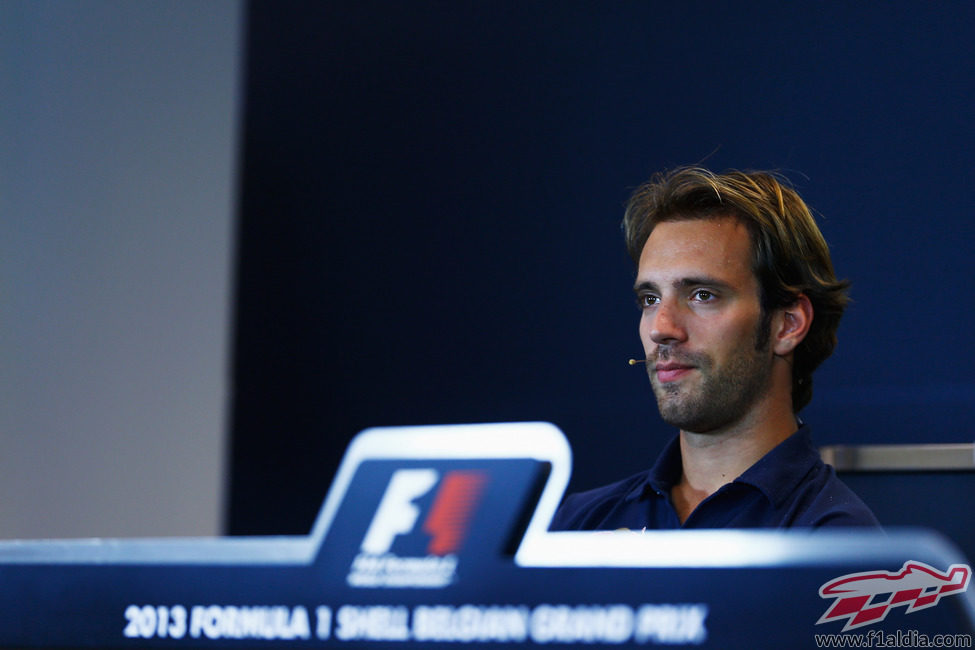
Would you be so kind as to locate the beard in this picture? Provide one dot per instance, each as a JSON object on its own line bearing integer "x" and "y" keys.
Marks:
{"x": 721, "y": 395}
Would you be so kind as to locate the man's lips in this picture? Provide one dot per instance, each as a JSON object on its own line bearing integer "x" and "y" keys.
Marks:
{"x": 671, "y": 371}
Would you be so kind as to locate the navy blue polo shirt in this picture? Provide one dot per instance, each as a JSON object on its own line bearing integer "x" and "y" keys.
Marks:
{"x": 788, "y": 487}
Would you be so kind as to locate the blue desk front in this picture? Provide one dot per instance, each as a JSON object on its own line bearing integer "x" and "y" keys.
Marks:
{"x": 437, "y": 536}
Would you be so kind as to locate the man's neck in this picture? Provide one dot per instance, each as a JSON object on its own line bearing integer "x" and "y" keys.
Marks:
{"x": 710, "y": 460}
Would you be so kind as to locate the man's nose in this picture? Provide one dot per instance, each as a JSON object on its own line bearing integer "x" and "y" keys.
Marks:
{"x": 667, "y": 324}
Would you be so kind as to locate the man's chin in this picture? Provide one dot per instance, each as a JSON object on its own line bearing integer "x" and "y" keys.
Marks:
{"x": 689, "y": 418}
{"x": 666, "y": 390}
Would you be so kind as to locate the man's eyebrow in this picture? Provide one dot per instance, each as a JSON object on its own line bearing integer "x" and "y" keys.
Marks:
{"x": 683, "y": 283}
{"x": 704, "y": 280}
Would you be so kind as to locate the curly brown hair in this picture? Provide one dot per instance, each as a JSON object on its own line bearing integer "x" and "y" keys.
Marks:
{"x": 789, "y": 254}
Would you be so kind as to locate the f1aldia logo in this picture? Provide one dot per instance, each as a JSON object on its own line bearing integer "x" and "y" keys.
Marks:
{"x": 866, "y": 598}
{"x": 446, "y": 523}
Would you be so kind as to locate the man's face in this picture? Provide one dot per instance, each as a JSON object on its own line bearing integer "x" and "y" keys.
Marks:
{"x": 700, "y": 323}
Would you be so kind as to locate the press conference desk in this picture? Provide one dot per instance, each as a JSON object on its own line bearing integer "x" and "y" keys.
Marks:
{"x": 437, "y": 536}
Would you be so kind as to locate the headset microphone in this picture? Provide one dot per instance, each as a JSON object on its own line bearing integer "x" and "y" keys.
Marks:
{"x": 634, "y": 362}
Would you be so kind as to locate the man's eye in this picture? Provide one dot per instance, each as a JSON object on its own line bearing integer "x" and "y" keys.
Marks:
{"x": 703, "y": 295}
{"x": 646, "y": 301}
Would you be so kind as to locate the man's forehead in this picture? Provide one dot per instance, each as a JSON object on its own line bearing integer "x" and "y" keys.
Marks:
{"x": 688, "y": 248}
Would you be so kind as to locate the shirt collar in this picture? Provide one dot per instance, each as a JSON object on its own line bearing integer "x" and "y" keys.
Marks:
{"x": 776, "y": 474}
{"x": 664, "y": 474}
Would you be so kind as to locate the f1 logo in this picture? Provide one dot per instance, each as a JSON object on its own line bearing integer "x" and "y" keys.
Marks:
{"x": 447, "y": 521}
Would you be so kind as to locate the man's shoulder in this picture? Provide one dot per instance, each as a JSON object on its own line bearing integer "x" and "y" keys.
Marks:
{"x": 834, "y": 503}
{"x": 804, "y": 491}
{"x": 580, "y": 509}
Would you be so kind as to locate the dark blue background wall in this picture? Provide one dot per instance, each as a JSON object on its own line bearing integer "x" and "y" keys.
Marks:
{"x": 430, "y": 204}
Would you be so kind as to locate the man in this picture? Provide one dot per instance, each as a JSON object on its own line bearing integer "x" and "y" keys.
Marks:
{"x": 739, "y": 304}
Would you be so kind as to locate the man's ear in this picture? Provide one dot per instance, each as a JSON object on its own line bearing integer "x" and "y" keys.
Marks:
{"x": 791, "y": 324}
